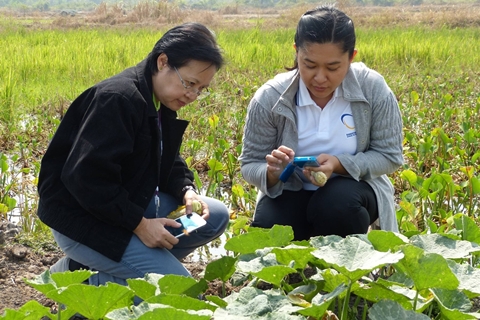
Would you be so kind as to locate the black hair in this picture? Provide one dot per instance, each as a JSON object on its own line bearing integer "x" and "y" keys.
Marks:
{"x": 186, "y": 42}
{"x": 325, "y": 24}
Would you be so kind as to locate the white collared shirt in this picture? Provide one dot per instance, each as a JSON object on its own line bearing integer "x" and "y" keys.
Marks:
{"x": 329, "y": 130}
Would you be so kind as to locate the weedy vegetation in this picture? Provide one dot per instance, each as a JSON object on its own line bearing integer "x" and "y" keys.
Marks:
{"x": 430, "y": 270}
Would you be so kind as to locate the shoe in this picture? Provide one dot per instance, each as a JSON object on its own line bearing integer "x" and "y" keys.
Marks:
{"x": 74, "y": 265}
{"x": 67, "y": 264}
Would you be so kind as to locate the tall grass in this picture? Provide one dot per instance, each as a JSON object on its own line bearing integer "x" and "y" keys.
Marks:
{"x": 434, "y": 73}
{"x": 46, "y": 65}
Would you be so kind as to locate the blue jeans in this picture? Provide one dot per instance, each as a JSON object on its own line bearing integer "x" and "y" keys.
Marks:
{"x": 139, "y": 259}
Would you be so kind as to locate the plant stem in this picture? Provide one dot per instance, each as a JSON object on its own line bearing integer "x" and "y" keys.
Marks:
{"x": 365, "y": 309}
{"x": 344, "y": 313}
{"x": 415, "y": 302}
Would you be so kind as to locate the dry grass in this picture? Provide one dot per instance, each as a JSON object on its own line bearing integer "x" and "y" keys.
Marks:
{"x": 166, "y": 13}
{"x": 451, "y": 16}
{"x": 463, "y": 15}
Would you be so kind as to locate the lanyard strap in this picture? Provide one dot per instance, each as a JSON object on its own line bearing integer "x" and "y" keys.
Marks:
{"x": 157, "y": 107}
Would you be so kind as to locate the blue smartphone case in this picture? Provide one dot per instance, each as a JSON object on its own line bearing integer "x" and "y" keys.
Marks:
{"x": 308, "y": 161}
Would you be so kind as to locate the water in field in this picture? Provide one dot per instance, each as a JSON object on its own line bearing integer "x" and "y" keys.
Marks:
{"x": 18, "y": 193}
{"x": 212, "y": 251}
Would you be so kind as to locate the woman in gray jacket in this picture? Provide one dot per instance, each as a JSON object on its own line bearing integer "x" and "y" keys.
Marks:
{"x": 341, "y": 112}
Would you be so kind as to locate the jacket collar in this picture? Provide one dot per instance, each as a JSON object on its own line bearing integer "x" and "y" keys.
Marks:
{"x": 144, "y": 78}
{"x": 352, "y": 90}
{"x": 286, "y": 85}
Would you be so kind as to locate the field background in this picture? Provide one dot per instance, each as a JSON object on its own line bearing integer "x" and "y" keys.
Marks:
{"x": 428, "y": 55}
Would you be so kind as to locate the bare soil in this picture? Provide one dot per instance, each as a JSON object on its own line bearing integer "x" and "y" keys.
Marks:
{"x": 19, "y": 262}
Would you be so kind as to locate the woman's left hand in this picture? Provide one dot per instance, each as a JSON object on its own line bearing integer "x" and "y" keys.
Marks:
{"x": 191, "y": 195}
{"x": 328, "y": 165}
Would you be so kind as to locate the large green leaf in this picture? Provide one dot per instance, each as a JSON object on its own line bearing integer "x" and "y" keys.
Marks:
{"x": 469, "y": 227}
{"x": 468, "y": 276}
{"x": 252, "y": 263}
{"x": 43, "y": 282}
{"x": 323, "y": 241}
{"x": 421, "y": 303}
{"x": 375, "y": 292}
{"x": 452, "y": 299}
{"x": 134, "y": 312}
{"x": 32, "y": 310}
{"x": 449, "y": 314}
{"x": 252, "y": 303}
{"x": 177, "y": 284}
{"x": 454, "y": 304}
{"x": 302, "y": 295}
{"x": 300, "y": 255}
{"x": 274, "y": 274}
{"x": 182, "y": 302}
{"x": 320, "y": 303}
{"x": 64, "y": 279}
{"x": 386, "y": 240}
{"x": 176, "y": 314}
{"x": 216, "y": 300}
{"x": 222, "y": 269}
{"x": 147, "y": 311}
{"x": 354, "y": 257}
{"x": 147, "y": 287}
{"x": 410, "y": 176}
{"x": 427, "y": 270}
{"x": 277, "y": 236}
{"x": 391, "y": 310}
{"x": 143, "y": 289}
{"x": 46, "y": 281}
{"x": 399, "y": 277}
{"x": 91, "y": 301}
{"x": 446, "y": 247}
{"x": 332, "y": 279}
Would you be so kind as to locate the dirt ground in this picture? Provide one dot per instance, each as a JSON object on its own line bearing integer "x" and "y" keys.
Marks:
{"x": 19, "y": 262}
{"x": 16, "y": 263}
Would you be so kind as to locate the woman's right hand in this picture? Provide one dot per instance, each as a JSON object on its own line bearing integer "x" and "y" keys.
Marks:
{"x": 153, "y": 234}
{"x": 277, "y": 160}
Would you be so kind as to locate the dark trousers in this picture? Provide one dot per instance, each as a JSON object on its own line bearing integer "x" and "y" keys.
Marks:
{"x": 342, "y": 207}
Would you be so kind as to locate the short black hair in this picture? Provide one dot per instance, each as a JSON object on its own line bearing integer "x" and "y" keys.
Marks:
{"x": 186, "y": 42}
{"x": 325, "y": 24}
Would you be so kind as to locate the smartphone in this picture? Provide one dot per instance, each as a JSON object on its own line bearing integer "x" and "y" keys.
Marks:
{"x": 308, "y": 161}
{"x": 190, "y": 222}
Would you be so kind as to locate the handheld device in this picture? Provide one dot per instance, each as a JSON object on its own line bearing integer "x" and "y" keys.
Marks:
{"x": 190, "y": 222}
{"x": 308, "y": 161}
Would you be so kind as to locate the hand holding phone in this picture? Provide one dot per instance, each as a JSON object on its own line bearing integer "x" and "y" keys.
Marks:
{"x": 308, "y": 161}
{"x": 189, "y": 223}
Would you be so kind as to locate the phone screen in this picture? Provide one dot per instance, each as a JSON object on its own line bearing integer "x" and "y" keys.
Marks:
{"x": 189, "y": 222}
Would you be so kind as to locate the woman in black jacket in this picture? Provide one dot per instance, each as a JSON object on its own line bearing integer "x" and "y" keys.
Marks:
{"x": 113, "y": 171}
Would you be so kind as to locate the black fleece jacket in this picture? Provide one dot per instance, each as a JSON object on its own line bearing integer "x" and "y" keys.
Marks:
{"x": 104, "y": 163}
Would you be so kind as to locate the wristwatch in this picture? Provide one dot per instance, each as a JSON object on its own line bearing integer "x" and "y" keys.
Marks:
{"x": 186, "y": 188}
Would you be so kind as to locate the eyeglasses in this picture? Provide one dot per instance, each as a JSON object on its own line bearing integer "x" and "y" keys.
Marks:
{"x": 202, "y": 93}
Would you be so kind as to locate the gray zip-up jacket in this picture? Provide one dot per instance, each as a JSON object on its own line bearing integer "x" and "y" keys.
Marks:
{"x": 272, "y": 121}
